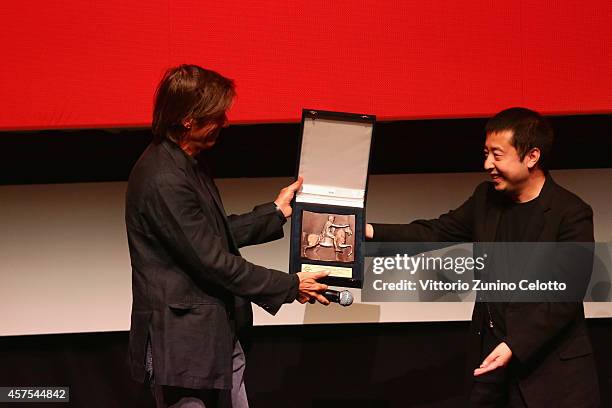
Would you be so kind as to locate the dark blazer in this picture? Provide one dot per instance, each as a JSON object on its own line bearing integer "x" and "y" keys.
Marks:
{"x": 548, "y": 340}
{"x": 191, "y": 288}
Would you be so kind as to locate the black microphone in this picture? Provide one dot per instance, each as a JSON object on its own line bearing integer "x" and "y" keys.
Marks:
{"x": 344, "y": 298}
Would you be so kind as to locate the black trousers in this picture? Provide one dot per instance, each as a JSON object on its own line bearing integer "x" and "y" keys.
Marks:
{"x": 496, "y": 395}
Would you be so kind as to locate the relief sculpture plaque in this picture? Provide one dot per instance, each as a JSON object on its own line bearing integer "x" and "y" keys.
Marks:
{"x": 328, "y": 237}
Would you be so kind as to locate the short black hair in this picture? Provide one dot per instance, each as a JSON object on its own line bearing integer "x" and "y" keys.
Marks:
{"x": 529, "y": 130}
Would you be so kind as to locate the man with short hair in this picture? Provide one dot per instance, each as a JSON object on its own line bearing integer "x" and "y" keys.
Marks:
{"x": 191, "y": 288}
{"x": 521, "y": 354}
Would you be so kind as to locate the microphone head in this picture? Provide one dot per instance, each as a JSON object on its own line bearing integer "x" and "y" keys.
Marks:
{"x": 346, "y": 298}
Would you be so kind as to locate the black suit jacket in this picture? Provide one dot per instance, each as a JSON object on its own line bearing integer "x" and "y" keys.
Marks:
{"x": 191, "y": 288}
{"x": 548, "y": 340}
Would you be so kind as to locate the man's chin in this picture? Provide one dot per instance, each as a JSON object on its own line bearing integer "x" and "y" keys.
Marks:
{"x": 499, "y": 185}
{"x": 209, "y": 144}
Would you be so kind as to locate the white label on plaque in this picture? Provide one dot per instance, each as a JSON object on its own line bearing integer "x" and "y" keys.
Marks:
{"x": 330, "y": 195}
{"x": 334, "y": 271}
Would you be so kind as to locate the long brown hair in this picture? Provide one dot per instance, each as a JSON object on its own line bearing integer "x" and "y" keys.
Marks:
{"x": 189, "y": 92}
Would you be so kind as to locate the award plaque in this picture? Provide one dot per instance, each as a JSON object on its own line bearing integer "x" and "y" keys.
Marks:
{"x": 328, "y": 222}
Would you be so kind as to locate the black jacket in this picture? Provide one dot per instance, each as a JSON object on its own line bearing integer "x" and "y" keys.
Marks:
{"x": 191, "y": 288}
{"x": 548, "y": 340}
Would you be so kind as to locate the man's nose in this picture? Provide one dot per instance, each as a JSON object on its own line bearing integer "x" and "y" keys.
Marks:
{"x": 488, "y": 162}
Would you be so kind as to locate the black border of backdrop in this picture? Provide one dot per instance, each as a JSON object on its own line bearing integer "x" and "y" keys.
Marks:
{"x": 269, "y": 150}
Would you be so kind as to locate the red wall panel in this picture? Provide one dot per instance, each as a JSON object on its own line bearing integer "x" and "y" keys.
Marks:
{"x": 73, "y": 64}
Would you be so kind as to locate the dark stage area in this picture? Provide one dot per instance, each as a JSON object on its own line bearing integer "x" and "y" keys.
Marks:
{"x": 350, "y": 365}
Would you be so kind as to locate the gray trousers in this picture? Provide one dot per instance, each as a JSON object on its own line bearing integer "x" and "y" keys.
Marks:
{"x": 177, "y": 397}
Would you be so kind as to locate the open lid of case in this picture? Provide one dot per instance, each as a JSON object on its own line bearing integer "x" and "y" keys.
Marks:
{"x": 334, "y": 158}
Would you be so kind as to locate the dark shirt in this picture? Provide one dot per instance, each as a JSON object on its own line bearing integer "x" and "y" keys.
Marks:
{"x": 514, "y": 220}
{"x": 513, "y": 223}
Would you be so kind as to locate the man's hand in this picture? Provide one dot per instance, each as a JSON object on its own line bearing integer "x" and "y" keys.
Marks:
{"x": 311, "y": 290}
{"x": 499, "y": 357}
{"x": 369, "y": 232}
{"x": 283, "y": 201}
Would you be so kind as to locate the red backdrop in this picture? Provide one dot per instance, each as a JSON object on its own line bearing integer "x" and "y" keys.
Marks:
{"x": 74, "y": 63}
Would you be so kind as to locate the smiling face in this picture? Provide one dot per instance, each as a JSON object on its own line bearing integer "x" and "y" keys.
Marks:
{"x": 509, "y": 173}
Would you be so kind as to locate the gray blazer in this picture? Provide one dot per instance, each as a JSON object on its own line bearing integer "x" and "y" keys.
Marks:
{"x": 191, "y": 288}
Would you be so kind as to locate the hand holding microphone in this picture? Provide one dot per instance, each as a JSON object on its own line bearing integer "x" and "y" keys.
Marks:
{"x": 310, "y": 290}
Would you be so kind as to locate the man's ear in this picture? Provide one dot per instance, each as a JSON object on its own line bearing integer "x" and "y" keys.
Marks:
{"x": 532, "y": 157}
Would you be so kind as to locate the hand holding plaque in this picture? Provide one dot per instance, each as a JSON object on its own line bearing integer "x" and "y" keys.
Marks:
{"x": 283, "y": 201}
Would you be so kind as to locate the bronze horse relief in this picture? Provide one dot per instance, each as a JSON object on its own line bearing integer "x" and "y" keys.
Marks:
{"x": 331, "y": 235}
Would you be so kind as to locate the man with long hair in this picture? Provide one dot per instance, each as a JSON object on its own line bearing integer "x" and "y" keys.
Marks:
{"x": 192, "y": 291}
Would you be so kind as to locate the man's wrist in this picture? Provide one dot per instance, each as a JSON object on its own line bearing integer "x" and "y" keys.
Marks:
{"x": 280, "y": 213}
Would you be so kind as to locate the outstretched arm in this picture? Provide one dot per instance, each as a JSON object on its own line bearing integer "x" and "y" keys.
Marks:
{"x": 454, "y": 226}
